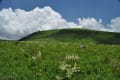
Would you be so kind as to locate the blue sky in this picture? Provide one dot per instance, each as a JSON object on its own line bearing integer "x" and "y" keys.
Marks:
{"x": 71, "y": 9}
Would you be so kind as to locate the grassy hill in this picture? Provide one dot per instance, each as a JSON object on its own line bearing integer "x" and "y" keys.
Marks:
{"x": 76, "y": 35}
{"x": 68, "y": 54}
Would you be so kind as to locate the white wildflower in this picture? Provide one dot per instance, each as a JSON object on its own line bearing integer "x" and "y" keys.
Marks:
{"x": 64, "y": 66}
{"x": 58, "y": 78}
{"x": 69, "y": 73}
{"x": 75, "y": 68}
{"x": 72, "y": 57}
{"x": 39, "y": 54}
{"x": 33, "y": 57}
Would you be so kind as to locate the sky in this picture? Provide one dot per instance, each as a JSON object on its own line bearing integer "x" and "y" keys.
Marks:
{"x": 71, "y": 9}
{"x": 19, "y": 18}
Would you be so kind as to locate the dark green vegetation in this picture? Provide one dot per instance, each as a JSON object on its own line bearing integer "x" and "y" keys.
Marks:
{"x": 77, "y": 35}
{"x": 62, "y": 55}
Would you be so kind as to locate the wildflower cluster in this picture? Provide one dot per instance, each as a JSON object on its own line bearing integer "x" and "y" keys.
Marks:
{"x": 72, "y": 57}
{"x": 58, "y": 77}
{"x": 68, "y": 69}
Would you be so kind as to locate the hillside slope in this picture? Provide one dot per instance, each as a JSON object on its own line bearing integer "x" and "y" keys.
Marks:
{"x": 69, "y": 54}
{"x": 72, "y": 35}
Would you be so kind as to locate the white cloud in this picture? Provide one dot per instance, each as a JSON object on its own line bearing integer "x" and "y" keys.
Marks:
{"x": 91, "y": 23}
{"x": 114, "y": 26}
{"x": 19, "y": 23}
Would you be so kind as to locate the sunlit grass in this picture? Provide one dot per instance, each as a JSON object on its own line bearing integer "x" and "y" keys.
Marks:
{"x": 53, "y": 59}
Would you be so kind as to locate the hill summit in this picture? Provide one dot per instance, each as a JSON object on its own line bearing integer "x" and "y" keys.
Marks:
{"x": 76, "y": 35}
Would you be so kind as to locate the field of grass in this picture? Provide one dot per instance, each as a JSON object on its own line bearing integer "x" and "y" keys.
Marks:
{"x": 62, "y": 55}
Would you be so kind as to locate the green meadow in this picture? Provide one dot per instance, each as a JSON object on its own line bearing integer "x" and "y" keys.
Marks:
{"x": 68, "y": 54}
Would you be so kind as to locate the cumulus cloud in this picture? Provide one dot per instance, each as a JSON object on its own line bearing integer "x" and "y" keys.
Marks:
{"x": 19, "y": 23}
{"x": 114, "y": 26}
{"x": 91, "y": 23}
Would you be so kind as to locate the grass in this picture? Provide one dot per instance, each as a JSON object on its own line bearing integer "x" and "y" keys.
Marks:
{"x": 57, "y": 55}
{"x": 77, "y": 35}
